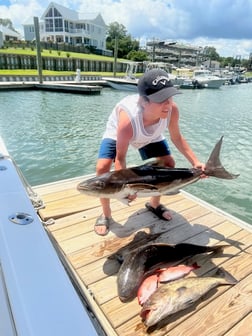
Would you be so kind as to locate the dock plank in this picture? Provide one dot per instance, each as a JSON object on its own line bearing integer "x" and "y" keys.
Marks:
{"x": 241, "y": 328}
{"x": 225, "y": 311}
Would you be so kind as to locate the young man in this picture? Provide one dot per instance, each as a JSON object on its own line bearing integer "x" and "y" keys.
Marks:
{"x": 140, "y": 120}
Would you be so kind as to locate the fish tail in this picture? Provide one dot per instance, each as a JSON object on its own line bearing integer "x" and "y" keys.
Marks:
{"x": 214, "y": 166}
{"x": 216, "y": 248}
{"x": 227, "y": 278}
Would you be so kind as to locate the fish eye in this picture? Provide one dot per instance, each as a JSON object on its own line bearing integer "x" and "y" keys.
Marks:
{"x": 100, "y": 184}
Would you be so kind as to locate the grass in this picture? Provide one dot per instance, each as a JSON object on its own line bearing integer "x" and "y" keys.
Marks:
{"x": 31, "y": 72}
{"x": 57, "y": 53}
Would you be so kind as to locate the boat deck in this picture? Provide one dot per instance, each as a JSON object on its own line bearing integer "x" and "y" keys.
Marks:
{"x": 226, "y": 310}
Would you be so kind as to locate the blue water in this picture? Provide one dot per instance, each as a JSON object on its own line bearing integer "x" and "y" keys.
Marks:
{"x": 53, "y": 136}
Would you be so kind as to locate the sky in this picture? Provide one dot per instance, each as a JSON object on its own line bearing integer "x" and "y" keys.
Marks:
{"x": 223, "y": 24}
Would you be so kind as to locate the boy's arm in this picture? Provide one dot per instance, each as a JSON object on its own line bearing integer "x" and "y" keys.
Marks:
{"x": 124, "y": 134}
{"x": 179, "y": 141}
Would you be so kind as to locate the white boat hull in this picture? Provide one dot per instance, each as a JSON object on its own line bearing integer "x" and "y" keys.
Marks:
{"x": 211, "y": 83}
{"x": 122, "y": 83}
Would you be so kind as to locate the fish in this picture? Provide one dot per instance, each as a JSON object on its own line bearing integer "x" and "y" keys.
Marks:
{"x": 148, "y": 287}
{"x": 178, "y": 295}
{"x": 139, "y": 263}
{"x": 150, "y": 284}
{"x": 151, "y": 179}
{"x": 175, "y": 272}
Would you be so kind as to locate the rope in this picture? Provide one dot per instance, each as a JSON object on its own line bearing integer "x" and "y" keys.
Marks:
{"x": 37, "y": 202}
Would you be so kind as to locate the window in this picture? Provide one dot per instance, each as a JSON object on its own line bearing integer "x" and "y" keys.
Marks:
{"x": 49, "y": 13}
{"x": 58, "y": 25}
{"x": 56, "y": 13}
{"x": 66, "y": 26}
{"x": 49, "y": 25}
{"x": 86, "y": 41}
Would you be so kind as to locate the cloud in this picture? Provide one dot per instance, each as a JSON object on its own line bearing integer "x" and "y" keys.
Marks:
{"x": 223, "y": 24}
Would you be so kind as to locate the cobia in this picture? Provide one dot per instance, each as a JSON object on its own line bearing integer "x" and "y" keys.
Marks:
{"x": 151, "y": 180}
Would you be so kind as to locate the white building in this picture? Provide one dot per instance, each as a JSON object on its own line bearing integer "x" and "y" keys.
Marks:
{"x": 7, "y": 34}
{"x": 59, "y": 24}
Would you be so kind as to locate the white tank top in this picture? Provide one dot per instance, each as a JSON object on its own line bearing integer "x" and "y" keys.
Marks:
{"x": 142, "y": 136}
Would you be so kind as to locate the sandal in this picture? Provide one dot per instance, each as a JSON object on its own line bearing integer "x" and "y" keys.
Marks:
{"x": 102, "y": 221}
{"x": 158, "y": 211}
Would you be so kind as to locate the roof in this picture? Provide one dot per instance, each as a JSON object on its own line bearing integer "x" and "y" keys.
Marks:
{"x": 70, "y": 14}
{"x": 29, "y": 21}
{"x": 92, "y": 17}
{"x": 9, "y": 32}
{"x": 65, "y": 12}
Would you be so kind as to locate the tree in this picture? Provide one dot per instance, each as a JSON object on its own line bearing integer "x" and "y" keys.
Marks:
{"x": 226, "y": 61}
{"x": 137, "y": 56}
{"x": 125, "y": 41}
{"x": 211, "y": 53}
{"x": 116, "y": 29}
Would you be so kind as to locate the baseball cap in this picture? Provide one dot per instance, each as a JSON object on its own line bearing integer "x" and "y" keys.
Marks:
{"x": 156, "y": 85}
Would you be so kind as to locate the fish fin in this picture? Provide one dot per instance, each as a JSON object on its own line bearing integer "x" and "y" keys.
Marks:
{"x": 155, "y": 163}
{"x": 214, "y": 166}
{"x": 230, "y": 279}
{"x": 216, "y": 248}
{"x": 124, "y": 200}
{"x": 188, "y": 303}
{"x": 170, "y": 193}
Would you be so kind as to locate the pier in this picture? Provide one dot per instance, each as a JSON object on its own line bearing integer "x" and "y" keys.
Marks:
{"x": 224, "y": 311}
{"x": 90, "y": 87}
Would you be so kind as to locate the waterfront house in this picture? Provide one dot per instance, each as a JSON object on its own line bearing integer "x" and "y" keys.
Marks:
{"x": 59, "y": 24}
{"x": 7, "y": 34}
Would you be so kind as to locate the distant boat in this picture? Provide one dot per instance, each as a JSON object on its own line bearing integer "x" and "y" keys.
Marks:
{"x": 176, "y": 81}
{"x": 205, "y": 78}
{"x": 126, "y": 83}
{"x": 189, "y": 83}
{"x": 184, "y": 75}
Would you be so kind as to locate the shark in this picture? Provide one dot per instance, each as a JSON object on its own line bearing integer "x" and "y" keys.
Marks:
{"x": 151, "y": 179}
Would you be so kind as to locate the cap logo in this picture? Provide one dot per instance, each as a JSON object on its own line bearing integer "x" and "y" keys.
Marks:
{"x": 160, "y": 79}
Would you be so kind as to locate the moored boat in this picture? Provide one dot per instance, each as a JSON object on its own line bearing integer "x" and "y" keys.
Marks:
{"x": 205, "y": 78}
{"x": 126, "y": 83}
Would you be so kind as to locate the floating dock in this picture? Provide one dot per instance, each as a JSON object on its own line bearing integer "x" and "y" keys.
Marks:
{"x": 83, "y": 88}
{"x": 224, "y": 311}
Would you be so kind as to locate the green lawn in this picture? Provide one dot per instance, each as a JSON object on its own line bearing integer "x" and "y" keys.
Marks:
{"x": 30, "y": 72}
{"x": 56, "y": 53}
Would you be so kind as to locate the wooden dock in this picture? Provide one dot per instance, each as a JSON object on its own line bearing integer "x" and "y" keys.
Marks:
{"x": 226, "y": 310}
{"x": 88, "y": 88}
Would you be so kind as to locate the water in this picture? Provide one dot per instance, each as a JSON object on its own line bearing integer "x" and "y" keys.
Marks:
{"x": 54, "y": 136}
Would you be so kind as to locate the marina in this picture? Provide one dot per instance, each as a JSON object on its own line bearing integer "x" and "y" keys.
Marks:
{"x": 46, "y": 231}
{"x": 170, "y": 253}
